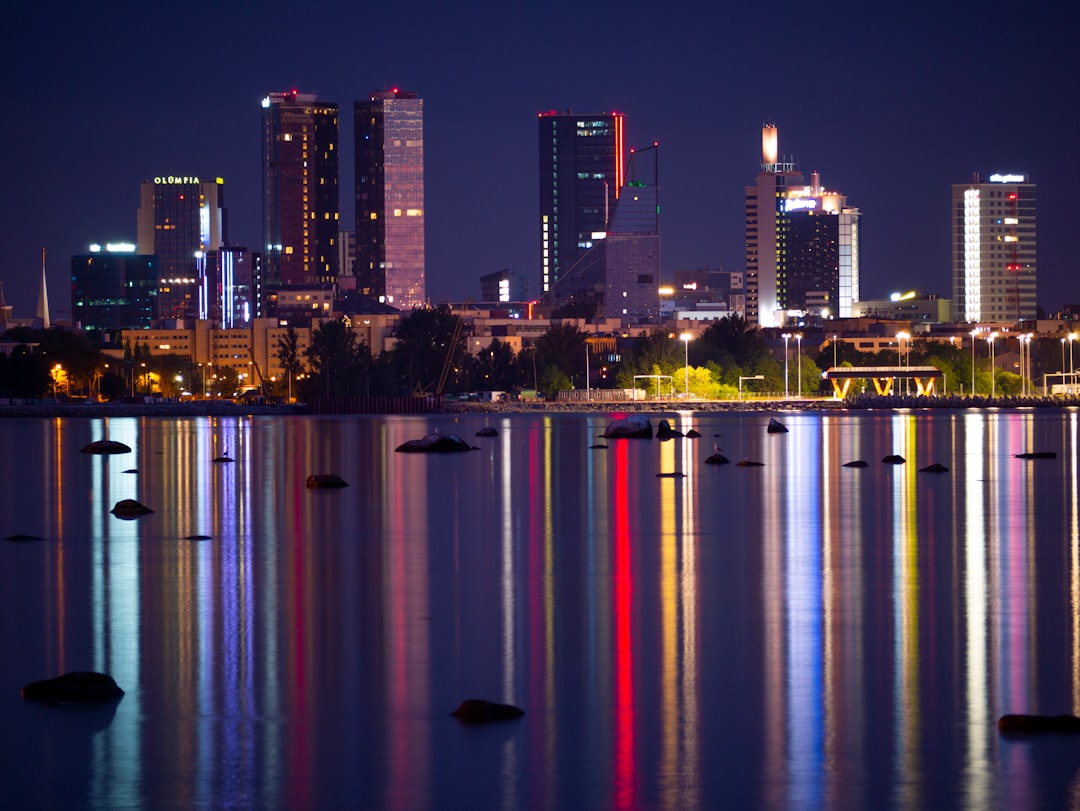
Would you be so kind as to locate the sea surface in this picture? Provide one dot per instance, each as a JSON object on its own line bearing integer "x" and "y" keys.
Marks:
{"x": 793, "y": 635}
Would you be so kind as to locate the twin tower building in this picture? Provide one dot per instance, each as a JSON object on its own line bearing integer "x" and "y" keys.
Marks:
{"x": 182, "y": 220}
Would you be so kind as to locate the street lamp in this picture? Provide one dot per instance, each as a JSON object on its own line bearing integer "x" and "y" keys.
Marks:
{"x": 990, "y": 340}
{"x": 900, "y": 338}
{"x": 685, "y": 337}
{"x": 786, "y": 336}
{"x": 1072, "y": 337}
{"x": 974, "y": 334}
{"x": 798, "y": 342}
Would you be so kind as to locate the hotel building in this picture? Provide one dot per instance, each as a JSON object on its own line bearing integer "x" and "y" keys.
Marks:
{"x": 802, "y": 244}
{"x": 993, "y": 257}
{"x": 390, "y": 252}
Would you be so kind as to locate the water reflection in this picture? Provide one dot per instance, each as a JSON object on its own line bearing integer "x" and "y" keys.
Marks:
{"x": 795, "y": 635}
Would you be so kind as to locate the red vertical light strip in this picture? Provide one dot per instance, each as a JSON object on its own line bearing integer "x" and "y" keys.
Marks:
{"x": 619, "y": 166}
{"x": 625, "y": 789}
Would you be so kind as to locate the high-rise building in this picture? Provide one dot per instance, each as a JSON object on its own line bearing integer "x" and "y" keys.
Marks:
{"x": 301, "y": 215}
{"x": 390, "y": 256}
{"x": 180, "y": 218}
{"x": 619, "y": 275}
{"x": 994, "y": 267}
{"x": 802, "y": 244}
{"x": 112, "y": 289}
{"x": 581, "y": 178}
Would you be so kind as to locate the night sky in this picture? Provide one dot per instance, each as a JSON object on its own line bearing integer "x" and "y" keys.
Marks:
{"x": 891, "y": 103}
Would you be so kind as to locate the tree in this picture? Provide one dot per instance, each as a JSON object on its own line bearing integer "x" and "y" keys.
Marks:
{"x": 288, "y": 356}
{"x": 427, "y": 343}
{"x": 562, "y": 346}
{"x": 340, "y": 363}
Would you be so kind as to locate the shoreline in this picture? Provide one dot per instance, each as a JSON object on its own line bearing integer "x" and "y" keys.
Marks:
{"x": 228, "y": 408}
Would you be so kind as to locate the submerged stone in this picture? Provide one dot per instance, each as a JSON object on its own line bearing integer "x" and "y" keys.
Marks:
{"x": 479, "y": 711}
{"x": 79, "y": 686}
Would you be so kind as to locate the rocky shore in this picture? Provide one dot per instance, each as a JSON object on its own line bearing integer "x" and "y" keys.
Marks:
{"x": 227, "y": 408}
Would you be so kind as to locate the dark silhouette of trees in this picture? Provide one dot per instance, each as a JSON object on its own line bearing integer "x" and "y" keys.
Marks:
{"x": 340, "y": 363}
{"x": 428, "y": 340}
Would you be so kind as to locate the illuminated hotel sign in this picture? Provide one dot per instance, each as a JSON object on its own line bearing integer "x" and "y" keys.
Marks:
{"x": 799, "y": 203}
{"x": 172, "y": 180}
{"x": 1007, "y": 178}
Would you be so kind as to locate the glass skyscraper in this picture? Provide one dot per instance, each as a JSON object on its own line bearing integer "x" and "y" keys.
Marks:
{"x": 300, "y": 189}
{"x": 390, "y": 254}
{"x": 181, "y": 217}
{"x": 581, "y": 178}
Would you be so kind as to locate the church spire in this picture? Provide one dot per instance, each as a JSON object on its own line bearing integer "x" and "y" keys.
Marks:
{"x": 43, "y": 297}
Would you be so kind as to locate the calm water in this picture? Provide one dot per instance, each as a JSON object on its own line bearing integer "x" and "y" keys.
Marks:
{"x": 797, "y": 635}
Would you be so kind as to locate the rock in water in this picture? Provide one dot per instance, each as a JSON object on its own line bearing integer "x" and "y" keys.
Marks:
{"x": 487, "y": 430}
{"x": 434, "y": 443}
{"x": 325, "y": 481}
{"x": 717, "y": 459}
{"x": 106, "y": 446}
{"x": 80, "y": 686}
{"x": 856, "y": 463}
{"x": 776, "y": 427}
{"x": 479, "y": 711}
{"x": 894, "y": 459}
{"x": 129, "y": 508}
{"x": 937, "y": 467}
{"x": 665, "y": 431}
{"x": 1039, "y": 723}
{"x": 636, "y": 426}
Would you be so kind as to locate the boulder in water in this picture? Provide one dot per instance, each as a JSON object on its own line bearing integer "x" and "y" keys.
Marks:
{"x": 479, "y": 711}
{"x": 325, "y": 481}
{"x": 487, "y": 430}
{"x": 776, "y": 427}
{"x": 665, "y": 431}
{"x": 1038, "y": 723}
{"x": 79, "y": 686}
{"x": 636, "y": 426}
{"x": 129, "y": 508}
{"x": 106, "y": 446}
{"x": 894, "y": 459}
{"x": 434, "y": 442}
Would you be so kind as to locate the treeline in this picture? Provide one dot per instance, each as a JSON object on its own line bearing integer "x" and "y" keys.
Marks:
{"x": 432, "y": 356}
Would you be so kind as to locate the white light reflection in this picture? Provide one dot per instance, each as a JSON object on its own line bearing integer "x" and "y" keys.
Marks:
{"x": 906, "y": 688}
{"x": 976, "y": 772}
{"x": 507, "y": 771}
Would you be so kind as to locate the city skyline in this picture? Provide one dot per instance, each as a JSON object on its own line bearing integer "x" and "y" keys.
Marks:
{"x": 892, "y": 106}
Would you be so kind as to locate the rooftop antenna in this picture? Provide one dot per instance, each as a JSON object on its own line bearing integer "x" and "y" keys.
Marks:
{"x": 43, "y": 297}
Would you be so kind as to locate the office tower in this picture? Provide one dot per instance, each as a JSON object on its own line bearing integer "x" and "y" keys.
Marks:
{"x": 581, "y": 178}
{"x": 113, "y": 289}
{"x": 390, "y": 258}
{"x": 994, "y": 268}
{"x": 802, "y": 244}
{"x": 180, "y": 217}
{"x": 619, "y": 274}
{"x": 300, "y": 189}
{"x": 230, "y": 281}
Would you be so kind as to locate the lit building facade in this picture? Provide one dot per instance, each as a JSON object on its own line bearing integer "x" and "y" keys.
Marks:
{"x": 802, "y": 244}
{"x": 301, "y": 215}
{"x": 619, "y": 276}
{"x": 390, "y": 252}
{"x": 994, "y": 247}
{"x": 112, "y": 289}
{"x": 230, "y": 282}
{"x": 581, "y": 178}
{"x": 180, "y": 217}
